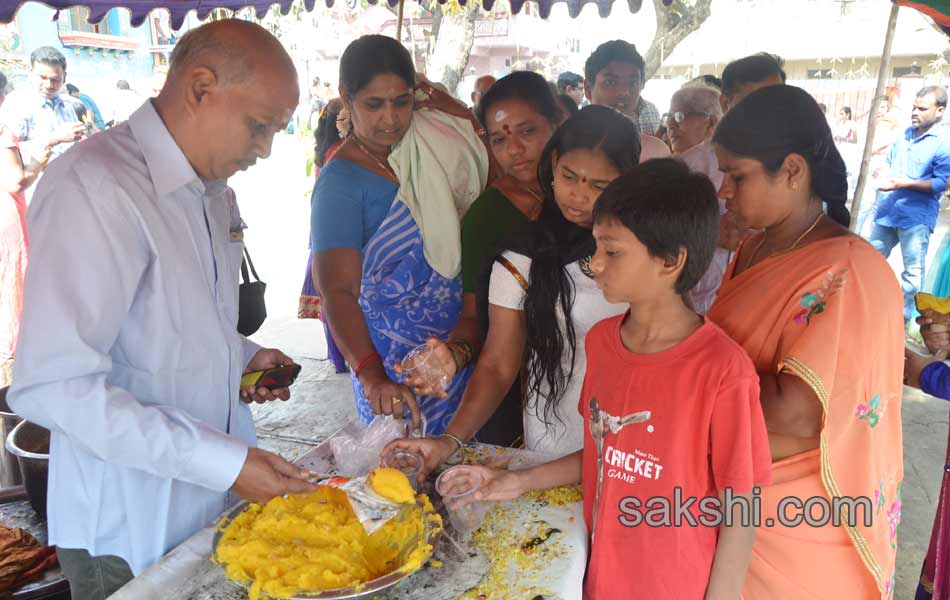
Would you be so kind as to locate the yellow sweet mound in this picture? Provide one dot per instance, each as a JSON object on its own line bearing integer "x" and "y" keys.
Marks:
{"x": 314, "y": 542}
{"x": 931, "y": 302}
{"x": 392, "y": 484}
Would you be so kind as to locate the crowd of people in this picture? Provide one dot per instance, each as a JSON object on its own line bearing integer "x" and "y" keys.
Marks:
{"x": 570, "y": 258}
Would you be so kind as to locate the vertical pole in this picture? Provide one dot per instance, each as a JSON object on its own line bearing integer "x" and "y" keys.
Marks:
{"x": 882, "y": 77}
{"x": 402, "y": 6}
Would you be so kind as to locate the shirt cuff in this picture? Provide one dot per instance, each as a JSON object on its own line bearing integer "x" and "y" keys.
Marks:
{"x": 938, "y": 185}
{"x": 217, "y": 460}
{"x": 250, "y": 349}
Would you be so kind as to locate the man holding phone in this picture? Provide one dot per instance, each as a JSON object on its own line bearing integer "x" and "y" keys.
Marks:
{"x": 129, "y": 351}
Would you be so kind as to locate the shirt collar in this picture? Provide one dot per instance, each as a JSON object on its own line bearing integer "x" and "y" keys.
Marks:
{"x": 168, "y": 167}
{"x": 54, "y": 102}
{"x": 937, "y": 129}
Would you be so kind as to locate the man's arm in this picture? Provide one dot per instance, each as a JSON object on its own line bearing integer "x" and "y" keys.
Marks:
{"x": 88, "y": 255}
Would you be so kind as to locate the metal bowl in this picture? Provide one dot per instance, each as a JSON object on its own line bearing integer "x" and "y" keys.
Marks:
{"x": 369, "y": 590}
{"x": 30, "y": 444}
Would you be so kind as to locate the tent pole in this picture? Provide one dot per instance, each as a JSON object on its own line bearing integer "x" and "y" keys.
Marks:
{"x": 882, "y": 78}
{"x": 402, "y": 6}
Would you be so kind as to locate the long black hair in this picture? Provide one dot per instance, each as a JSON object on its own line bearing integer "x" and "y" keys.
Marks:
{"x": 554, "y": 243}
{"x": 327, "y": 134}
{"x": 526, "y": 86}
{"x": 775, "y": 121}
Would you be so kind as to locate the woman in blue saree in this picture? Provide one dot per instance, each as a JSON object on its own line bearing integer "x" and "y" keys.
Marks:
{"x": 385, "y": 225}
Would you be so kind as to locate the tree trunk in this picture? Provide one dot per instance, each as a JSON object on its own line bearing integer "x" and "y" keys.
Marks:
{"x": 452, "y": 46}
{"x": 673, "y": 24}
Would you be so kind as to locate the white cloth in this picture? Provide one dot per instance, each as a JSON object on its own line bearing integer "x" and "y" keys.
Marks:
{"x": 566, "y": 435}
{"x": 442, "y": 166}
{"x": 701, "y": 158}
{"x": 129, "y": 351}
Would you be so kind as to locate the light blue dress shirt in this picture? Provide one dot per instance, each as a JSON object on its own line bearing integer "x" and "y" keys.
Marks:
{"x": 32, "y": 117}
{"x": 129, "y": 351}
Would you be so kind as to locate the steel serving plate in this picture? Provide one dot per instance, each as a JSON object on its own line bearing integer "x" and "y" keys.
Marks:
{"x": 368, "y": 590}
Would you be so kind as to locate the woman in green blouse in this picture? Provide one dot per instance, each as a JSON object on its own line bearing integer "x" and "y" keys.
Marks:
{"x": 520, "y": 114}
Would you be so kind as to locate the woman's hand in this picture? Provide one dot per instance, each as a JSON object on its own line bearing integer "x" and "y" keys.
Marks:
{"x": 387, "y": 397}
{"x": 935, "y": 329}
{"x": 430, "y": 375}
{"x": 435, "y": 451}
{"x": 915, "y": 363}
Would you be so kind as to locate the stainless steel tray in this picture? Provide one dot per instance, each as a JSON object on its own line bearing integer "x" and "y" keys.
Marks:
{"x": 369, "y": 590}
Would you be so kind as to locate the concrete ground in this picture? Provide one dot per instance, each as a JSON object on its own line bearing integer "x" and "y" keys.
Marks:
{"x": 274, "y": 200}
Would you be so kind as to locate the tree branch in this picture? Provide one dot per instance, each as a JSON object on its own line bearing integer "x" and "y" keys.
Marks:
{"x": 673, "y": 24}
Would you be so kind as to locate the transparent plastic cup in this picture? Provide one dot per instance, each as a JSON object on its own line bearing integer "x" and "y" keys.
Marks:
{"x": 457, "y": 486}
{"x": 417, "y": 364}
{"x": 408, "y": 461}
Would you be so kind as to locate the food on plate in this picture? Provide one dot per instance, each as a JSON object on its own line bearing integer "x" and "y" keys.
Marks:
{"x": 392, "y": 484}
{"x": 930, "y": 302}
{"x": 308, "y": 543}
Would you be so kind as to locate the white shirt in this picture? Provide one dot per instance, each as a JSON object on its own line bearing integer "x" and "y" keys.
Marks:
{"x": 565, "y": 433}
{"x": 129, "y": 351}
{"x": 701, "y": 158}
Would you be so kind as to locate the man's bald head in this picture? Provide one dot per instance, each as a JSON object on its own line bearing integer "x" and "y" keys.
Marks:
{"x": 231, "y": 88}
{"x": 233, "y": 49}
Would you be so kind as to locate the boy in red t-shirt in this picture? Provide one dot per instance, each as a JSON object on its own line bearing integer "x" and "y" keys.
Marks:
{"x": 675, "y": 400}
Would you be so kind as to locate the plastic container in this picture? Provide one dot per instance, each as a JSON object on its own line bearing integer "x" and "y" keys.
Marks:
{"x": 30, "y": 444}
{"x": 457, "y": 486}
{"x": 407, "y": 461}
{"x": 9, "y": 467}
{"x": 416, "y": 364}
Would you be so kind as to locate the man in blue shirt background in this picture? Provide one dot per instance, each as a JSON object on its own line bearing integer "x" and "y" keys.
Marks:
{"x": 919, "y": 166}
{"x": 89, "y": 104}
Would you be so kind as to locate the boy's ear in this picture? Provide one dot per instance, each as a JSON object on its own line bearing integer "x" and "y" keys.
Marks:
{"x": 672, "y": 267}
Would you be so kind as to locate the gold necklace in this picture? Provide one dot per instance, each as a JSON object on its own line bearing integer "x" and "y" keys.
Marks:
{"x": 384, "y": 166}
{"x": 792, "y": 247}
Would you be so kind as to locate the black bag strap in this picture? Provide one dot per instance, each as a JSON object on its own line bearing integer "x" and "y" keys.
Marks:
{"x": 244, "y": 264}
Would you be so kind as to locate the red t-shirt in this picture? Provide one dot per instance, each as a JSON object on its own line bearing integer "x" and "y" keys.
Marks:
{"x": 706, "y": 433}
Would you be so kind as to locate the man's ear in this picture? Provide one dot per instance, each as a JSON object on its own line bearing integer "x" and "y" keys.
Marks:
{"x": 201, "y": 82}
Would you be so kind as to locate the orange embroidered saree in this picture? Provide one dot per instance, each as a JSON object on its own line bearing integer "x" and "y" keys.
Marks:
{"x": 831, "y": 314}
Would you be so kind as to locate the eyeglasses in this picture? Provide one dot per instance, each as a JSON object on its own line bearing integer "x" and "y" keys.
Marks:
{"x": 680, "y": 116}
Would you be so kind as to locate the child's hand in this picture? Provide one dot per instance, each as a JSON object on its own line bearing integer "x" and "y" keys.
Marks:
{"x": 498, "y": 484}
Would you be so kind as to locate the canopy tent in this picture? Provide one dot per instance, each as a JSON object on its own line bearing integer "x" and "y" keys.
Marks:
{"x": 178, "y": 9}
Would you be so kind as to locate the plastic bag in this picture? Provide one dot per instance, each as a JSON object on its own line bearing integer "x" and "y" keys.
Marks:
{"x": 372, "y": 510}
{"x": 357, "y": 447}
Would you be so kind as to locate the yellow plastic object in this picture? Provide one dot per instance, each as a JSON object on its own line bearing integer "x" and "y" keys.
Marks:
{"x": 930, "y": 302}
{"x": 308, "y": 543}
{"x": 251, "y": 379}
{"x": 392, "y": 484}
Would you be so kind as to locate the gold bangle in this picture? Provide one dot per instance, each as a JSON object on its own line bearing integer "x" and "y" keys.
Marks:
{"x": 461, "y": 351}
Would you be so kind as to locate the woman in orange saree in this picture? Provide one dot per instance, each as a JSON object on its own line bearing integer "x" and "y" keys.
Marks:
{"x": 820, "y": 316}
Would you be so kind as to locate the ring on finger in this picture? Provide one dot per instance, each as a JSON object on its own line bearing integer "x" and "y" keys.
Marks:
{"x": 396, "y": 400}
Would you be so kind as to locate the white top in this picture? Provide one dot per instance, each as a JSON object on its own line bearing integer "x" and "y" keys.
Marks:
{"x": 564, "y": 435}
{"x": 701, "y": 158}
{"x": 129, "y": 351}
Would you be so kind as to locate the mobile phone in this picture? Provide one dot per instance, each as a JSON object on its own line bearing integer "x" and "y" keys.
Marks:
{"x": 272, "y": 379}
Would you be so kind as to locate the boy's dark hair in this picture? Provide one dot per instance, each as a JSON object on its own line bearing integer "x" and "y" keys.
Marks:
{"x": 568, "y": 79}
{"x": 72, "y": 89}
{"x": 940, "y": 94}
{"x": 528, "y": 87}
{"x": 709, "y": 80}
{"x": 123, "y": 85}
{"x": 48, "y": 56}
{"x": 568, "y": 105}
{"x": 668, "y": 207}
{"x": 613, "y": 51}
{"x": 751, "y": 69}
